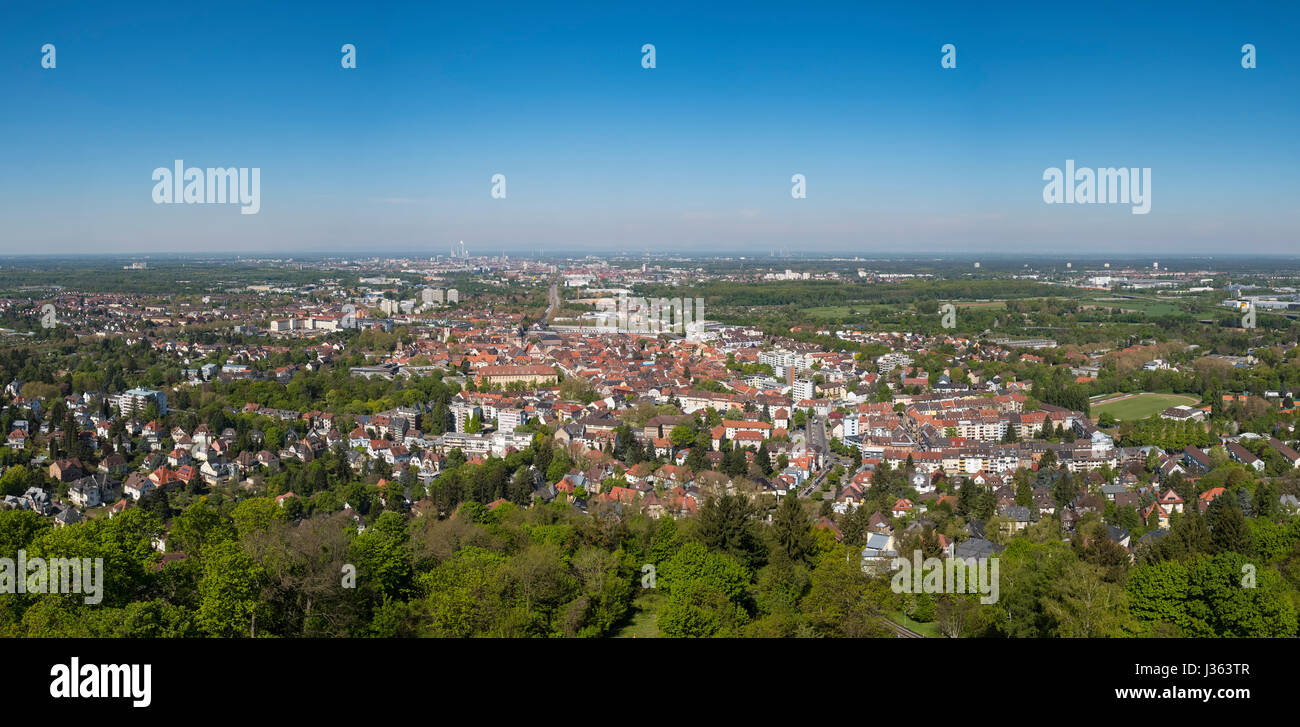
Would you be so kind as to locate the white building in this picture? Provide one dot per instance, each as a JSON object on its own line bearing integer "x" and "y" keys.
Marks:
{"x": 462, "y": 412}
{"x": 804, "y": 389}
{"x": 508, "y": 419}
{"x": 890, "y": 361}
{"x": 135, "y": 400}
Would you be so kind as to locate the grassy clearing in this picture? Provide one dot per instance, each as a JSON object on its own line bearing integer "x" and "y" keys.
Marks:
{"x": 644, "y": 623}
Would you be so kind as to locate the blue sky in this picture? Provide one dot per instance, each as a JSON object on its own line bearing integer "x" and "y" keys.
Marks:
{"x": 695, "y": 155}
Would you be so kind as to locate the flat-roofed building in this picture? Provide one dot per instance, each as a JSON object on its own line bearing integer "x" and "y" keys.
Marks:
{"x": 134, "y": 400}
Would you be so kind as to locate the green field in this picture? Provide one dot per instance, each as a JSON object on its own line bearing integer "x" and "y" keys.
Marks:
{"x": 1152, "y": 306}
{"x": 1141, "y": 406}
{"x": 643, "y": 623}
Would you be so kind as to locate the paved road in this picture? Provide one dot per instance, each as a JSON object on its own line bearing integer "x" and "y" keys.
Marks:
{"x": 817, "y": 439}
{"x": 553, "y": 295}
{"x": 813, "y": 485}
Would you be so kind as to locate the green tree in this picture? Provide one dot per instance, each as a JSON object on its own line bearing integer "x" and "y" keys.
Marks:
{"x": 382, "y": 558}
{"x": 681, "y": 436}
{"x": 725, "y": 524}
{"x": 256, "y": 515}
{"x": 1265, "y": 503}
{"x": 844, "y": 601}
{"x": 792, "y": 529}
{"x": 197, "y": 527}
{"x": 707, "y": 593}
{"x": 18, "y": 529}
{"x": 781, "y": 584}
{"x": 229, "y": 591}
{"x": 1085, "y": 604}
{"x": 1228, "y": 530}
{"x": 464, "y": 595}
{"x": 14, "y": 481}
{"x": 559, "y": 467}
{"x": 1024, "y": 488}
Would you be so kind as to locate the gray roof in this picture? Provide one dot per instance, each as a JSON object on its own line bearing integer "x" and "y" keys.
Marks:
{"x": 877, "y": 544}
{"x": 1018, "y": 513}
{"x": 1152, "y": 536}
{"x": 977, "y": 548}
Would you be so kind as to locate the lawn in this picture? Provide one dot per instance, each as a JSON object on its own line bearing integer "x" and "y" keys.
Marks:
{"x": 1141, "y": 406}
{"x": 644, "y": 623}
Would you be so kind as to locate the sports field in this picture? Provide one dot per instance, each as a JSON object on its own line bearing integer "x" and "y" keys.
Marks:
{"x": 1140, "y": 406}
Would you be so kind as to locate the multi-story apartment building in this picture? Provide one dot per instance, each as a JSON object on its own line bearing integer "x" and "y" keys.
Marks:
{"x": 134, "y": 400}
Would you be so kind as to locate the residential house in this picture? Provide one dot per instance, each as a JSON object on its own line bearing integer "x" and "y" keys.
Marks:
{"x": 93, "y": 490}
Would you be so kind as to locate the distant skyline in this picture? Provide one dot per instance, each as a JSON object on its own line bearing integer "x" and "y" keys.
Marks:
{"x": 695, "y": 156}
